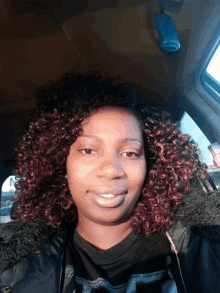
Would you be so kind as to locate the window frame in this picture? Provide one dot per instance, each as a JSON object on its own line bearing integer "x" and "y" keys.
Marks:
{"x": 204, "y": 84}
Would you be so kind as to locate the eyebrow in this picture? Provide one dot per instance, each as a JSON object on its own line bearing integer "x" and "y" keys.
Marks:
{"x": 123, "y": 140}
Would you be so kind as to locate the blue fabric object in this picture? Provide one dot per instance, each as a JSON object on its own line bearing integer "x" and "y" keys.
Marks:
{"x": 167, "y": 33}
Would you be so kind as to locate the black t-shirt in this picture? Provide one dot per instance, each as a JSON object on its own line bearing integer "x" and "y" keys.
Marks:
{"x": 136, "y": 264}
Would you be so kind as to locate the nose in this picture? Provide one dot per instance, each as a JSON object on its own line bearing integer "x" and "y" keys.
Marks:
{"x": 111, "y": 168}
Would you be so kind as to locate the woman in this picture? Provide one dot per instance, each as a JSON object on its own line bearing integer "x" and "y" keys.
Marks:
{"x": 110, "y": 198}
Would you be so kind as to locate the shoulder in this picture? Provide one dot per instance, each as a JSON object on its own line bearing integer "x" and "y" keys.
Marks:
{"x": 199, "y": 213}
{"x": 36, "y": 230}
{"x": 19, "y": 239}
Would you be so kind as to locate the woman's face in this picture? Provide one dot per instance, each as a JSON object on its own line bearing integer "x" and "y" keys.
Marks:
{"x": 101, "y": 161}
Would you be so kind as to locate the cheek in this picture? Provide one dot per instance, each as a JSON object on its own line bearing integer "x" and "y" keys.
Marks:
{"x": 138, "y": 172}
{"x": 142, "y": 176}
{"x": 78, "y": 176}
{"x": 77, "y": 169}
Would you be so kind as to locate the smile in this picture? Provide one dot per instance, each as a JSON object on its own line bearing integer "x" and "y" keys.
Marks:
{"x": 107, "y": 200}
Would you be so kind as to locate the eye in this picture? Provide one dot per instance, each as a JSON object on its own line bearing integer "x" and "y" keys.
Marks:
{"x": 136, "y": 155}
{"x": 84, "y": 150}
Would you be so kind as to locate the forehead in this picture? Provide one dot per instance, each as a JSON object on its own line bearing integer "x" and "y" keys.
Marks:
{"x": 110, "y": 113}
{"x": 112, "y": 119}
{"x": 112, "y": 123}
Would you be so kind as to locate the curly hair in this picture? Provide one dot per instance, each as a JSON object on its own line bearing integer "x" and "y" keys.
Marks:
{"x": 56, "y": 122}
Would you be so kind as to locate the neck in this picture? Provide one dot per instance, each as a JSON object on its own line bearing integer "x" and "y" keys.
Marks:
{"x": 103, "y": 237}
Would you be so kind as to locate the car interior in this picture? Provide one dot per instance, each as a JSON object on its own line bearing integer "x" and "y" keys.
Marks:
{"x": 168, "y": 49}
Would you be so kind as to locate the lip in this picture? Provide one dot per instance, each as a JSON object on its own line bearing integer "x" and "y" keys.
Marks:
{"x": 110, "y": 191}
{"x": 107, "y": 202}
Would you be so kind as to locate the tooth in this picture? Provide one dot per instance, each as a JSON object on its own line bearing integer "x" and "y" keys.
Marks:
{"x": 107, "y": 195}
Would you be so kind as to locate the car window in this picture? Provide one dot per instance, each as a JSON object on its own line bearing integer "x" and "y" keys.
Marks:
{"x": 188, "y": 126}
{"x": 211, "y": 76}
{"x": 7, "y": 191}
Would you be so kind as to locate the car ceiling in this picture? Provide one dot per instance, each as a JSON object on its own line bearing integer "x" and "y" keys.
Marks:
{"x": 114, "y": 36}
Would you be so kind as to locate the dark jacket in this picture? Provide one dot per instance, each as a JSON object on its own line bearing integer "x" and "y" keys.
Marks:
{"x": 31, "y": 253}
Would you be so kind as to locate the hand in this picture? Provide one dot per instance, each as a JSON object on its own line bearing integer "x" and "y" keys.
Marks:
{"x": 216, "y": 160}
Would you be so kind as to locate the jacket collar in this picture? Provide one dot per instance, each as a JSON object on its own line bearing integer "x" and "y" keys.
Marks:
{"x": 19, "y": 239}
